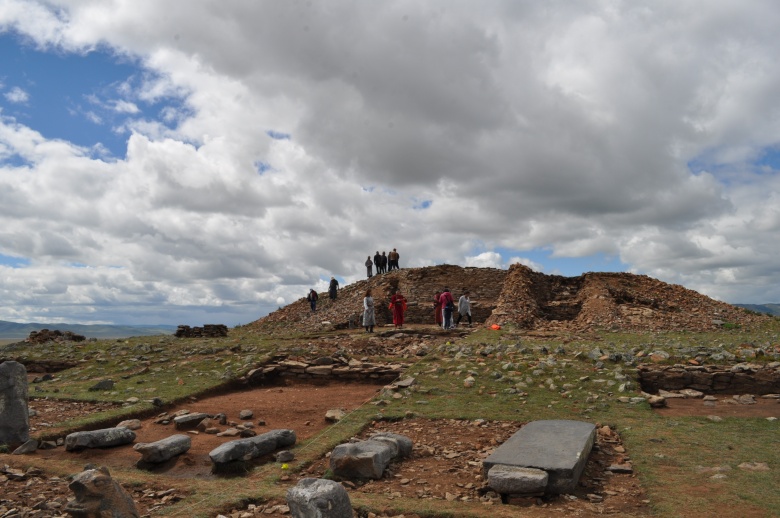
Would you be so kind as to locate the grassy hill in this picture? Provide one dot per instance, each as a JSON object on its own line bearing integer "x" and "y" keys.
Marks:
{"x": 18, "y": 331}
{"x": 769, "y": 309}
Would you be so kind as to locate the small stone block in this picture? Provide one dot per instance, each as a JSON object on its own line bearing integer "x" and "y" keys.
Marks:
{"x": 511, "y": 480}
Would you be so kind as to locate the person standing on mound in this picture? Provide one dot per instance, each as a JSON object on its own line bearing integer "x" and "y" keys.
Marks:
{"x": 448, "y": 304}
{"x": 464, "y": 308}
{"x": 369, "y": 318}
{"x": 437, "y": 314}
{"x": 398, "y": 307}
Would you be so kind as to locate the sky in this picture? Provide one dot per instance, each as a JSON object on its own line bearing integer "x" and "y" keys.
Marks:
{"x": 203, "y": 161}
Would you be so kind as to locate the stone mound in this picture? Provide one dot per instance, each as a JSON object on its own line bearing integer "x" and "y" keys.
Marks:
{"x": 524, "y": 298}
{"x": 623, "y": 301}
{"x": 44, "y": 335}
{"x": 418, "y": 285}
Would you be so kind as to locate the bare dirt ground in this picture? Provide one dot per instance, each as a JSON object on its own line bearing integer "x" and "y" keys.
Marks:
{"x": 445, "y": 464}
{"x": 725, "y": 406}
{"x": 299, "y": 407}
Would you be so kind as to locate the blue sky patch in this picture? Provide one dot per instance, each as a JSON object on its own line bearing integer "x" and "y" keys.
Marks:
{"x": 424, "y": 204}
{"x": 277, "y": 135}
{"x": 567, "y": 266}
{"x": 77, "y": 97}
{"x": 262, "y": 167}
{"x": 14, "y": 262}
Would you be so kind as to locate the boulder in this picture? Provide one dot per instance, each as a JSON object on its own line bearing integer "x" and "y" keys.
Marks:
{"x": 14, "y": 416}
{"x": 370, "y": 458}
{"x": 164, "y": 449}
{"x": 104, "y": 438}
{"x": 99, "y": 496}
{"x": 189, "y": 421}
{"x": 252, "y": 447}
{"x": 319, "y": 498}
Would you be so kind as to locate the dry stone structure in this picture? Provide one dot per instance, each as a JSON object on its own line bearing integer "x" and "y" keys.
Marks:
{"x": 524, "y": 298}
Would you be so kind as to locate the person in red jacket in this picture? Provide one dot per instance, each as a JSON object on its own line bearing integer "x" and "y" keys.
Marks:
{"x": 447, "y": 304}
{"x": 398, "y": 306}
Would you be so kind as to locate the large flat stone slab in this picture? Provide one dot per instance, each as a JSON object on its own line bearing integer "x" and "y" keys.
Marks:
{"x": 559, "y": 447}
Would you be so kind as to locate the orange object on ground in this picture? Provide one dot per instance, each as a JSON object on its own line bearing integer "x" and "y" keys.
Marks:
{"x": 495, "y": 326}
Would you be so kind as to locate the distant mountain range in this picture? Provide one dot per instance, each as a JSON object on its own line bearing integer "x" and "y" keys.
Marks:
{"x": 770, "y": 309}
{"x": 15, "y": 330}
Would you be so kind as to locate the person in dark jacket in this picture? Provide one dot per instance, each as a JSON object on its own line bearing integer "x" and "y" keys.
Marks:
{"x": 383, "y": 262}
{"x": 378, "y": 262}
{"x": 333, "y": 288}
{"x": 312, "y": 298}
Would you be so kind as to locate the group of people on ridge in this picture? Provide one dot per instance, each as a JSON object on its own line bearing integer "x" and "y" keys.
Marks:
{"x": 384, "y": 263}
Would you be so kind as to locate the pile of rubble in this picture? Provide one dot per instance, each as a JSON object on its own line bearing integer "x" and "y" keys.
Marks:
{"x": 623, "y": 301}
{"x": 44, "y": 335}
{"x": 418, "y": 285}
{"x": 207, "y": 331}
{"x": 527, "y": 299}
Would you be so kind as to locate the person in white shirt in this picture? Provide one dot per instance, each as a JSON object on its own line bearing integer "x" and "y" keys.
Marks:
{"x": 464, "y": 308}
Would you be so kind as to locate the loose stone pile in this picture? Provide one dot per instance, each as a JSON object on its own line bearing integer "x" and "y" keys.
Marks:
{"x": 418, "y": 285}
{"x": 207, "y": 331}
{"x": 45, "y": 335}
{"x": 525, "y": 298}
{"x": 625, "y": 301}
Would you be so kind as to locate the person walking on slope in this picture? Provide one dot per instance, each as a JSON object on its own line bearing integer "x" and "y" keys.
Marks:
{"x": 464, "y": 308}
{"x": 398, "y": 307}
{"x": 369, "y": 318}
{"x": 369, "y": 264}
{"x": 312, "y": 298}
{"x": 333, "y": 288}
{"x": 448, "y": 304}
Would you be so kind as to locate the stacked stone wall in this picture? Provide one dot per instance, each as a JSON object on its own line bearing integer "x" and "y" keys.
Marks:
{"x": 712, "y": 379}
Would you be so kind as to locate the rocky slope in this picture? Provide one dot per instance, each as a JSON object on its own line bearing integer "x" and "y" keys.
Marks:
{"x": 528, "y": 299}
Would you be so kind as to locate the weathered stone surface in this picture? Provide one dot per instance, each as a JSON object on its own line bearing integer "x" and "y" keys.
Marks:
{"x": 252, "y": 447}
{"x": 559, "y": 447}
{"x": 102, "y": 385}
{"x": 104, "y": 438}
{"x": 335, "y": 415}
{"x": 511, "y": 480}
{"x": 189, "y": 421}
{"x": 28, "y": 447}
{"x": 364, "y": 459}
{"x": 14, "y": 416}
{"x": 164, "y": 449}
{"x": 130, "y": 424}
{"x": 319, "y": 498}
{"x": 99, "y": 496}
{"x": 403, "y": 443}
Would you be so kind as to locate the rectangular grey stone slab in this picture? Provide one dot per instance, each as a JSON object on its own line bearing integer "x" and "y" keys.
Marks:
{"x": 559, "y": 447}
